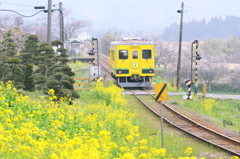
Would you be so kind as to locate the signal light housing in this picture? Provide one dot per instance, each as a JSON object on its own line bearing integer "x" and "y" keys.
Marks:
{"x": 91, "y": 53}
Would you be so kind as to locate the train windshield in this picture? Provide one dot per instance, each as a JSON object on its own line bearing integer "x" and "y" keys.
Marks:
{"x": 146, "y": 54}
{"x": 123, "y": 54}
{"x": 134, "y": 54}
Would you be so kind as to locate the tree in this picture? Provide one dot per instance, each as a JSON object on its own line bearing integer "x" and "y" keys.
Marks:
{"x": 31, "y": 49}
{"x": 105, "y": 42}
{"x": 9, "y": 61}
{"x": 28, "y": 79}
{"x": 7, "y": 21}
{"x": 234, "y": 81}
{"x": 18, "y": 21}
{"x": 53, "y": 72}
{"x": 61, "y": 52}
{"x": 209, "y": 70}
{"x": 44, "y": 61}
{"x": 165, "y": 54}
{"x": 28, "y": 55}
{"x": 71, "y": 25}
{"x": 62, "y": 81}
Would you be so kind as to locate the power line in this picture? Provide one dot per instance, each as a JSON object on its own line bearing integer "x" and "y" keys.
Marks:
{"x": 21, "y": 14}
{"x": 16, "y": 4}
{"x": 22, "y": 10}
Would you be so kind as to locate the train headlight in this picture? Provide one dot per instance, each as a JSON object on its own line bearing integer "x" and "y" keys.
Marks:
{"x": 119, "y": 71}
{"x": 150, "y": 71}
{"x": 134, "y": 44}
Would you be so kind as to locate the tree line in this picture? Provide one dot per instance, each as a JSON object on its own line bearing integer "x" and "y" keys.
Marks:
{"x": 33, "y": 66}
{"x": 215, "y": 28}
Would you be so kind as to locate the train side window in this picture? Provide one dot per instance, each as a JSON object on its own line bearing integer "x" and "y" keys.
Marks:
{"x": 134, "y": 54}
{"x": 146, "y": 54}
{"x": 123, "y": 54}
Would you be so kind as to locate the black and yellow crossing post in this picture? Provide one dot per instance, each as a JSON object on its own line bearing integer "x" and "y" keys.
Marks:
{"x": 198, "y": 57}
{"x": 91, "y": 52}
{"x": 188, "y": 83}
{"x": 161, "y": 95}
{"x": 93, "y": 44}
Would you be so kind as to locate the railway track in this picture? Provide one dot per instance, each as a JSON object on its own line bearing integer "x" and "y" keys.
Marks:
{"x": 103, "y": 61}
{"x": 181, "y": 122}
{"x": 191, "y": 127}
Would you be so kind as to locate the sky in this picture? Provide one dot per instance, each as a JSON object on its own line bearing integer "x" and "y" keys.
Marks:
{"x": 135, "y": 15}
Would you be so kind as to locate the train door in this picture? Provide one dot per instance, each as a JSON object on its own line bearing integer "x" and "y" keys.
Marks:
{"x": 134, "y": 65}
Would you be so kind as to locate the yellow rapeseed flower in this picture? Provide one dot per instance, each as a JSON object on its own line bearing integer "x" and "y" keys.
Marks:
{"x": 128, "y": 156}
{"x": 188, "y": 151}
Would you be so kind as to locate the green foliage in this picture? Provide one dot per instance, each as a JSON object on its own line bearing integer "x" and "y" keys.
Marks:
{"x": 63, "y": 56}
{"x": 62, "y": 85}
{"x": 175, "y": 103}
{"x": 11, "y": 71}
{"x": 218, "y": 46}
{"x": 51, "y": 70}
{"x": 61, "y": 50}
{"x": 57, "y": 43}
{"x": 28, "y": 80}
{"x": 13, "y": 60}
{"x": 30, "y": 51}
{"x": 7, "y": 46}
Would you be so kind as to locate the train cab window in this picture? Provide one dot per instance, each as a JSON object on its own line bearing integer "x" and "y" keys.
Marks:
{"x": 134, "y": 54}
{"x": 123, "y": 54}
{"x": 146, "y": 54}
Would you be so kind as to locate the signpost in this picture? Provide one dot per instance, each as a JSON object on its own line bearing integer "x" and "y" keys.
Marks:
{"x": 161, "y": 95}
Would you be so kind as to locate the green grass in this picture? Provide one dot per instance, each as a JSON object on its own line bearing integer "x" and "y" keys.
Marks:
{"x": 215, "y": 110}
{"x": 80, "y": 69}
{"x": 34, "y": 95}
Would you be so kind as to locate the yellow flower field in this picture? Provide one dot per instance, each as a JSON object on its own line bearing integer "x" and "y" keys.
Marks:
{"x": 44, "y": 129}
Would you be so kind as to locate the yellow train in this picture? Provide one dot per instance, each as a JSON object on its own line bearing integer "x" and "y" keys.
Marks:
{"x": 132, "y": 62}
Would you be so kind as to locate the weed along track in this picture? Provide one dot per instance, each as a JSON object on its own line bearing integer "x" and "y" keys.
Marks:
{"x": 174, "y": 118}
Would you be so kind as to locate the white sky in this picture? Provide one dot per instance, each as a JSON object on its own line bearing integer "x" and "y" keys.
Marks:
{"x": 136, "y": 15}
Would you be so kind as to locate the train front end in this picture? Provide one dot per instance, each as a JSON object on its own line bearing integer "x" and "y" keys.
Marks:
{"x": 132, "y": 62}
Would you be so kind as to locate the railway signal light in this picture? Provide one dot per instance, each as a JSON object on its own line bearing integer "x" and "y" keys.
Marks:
{"x": 91, "y": 53}
{"x": 198, "y": 57}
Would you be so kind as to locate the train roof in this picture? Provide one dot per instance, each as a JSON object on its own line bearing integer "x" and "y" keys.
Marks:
{"x": 131, "y": 41}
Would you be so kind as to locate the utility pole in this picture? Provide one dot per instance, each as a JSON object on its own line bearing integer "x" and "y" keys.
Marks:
{"x": 49, "y": 30}
{"x": 180, "y": 47}
{"x": 61, "y": 22}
